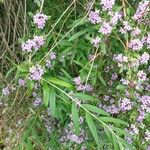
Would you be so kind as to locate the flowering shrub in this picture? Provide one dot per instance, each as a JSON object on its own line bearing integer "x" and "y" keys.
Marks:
{"x": 92, "y": 80}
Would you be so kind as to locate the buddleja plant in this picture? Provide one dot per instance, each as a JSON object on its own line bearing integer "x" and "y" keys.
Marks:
{"x": 93, "y": 79}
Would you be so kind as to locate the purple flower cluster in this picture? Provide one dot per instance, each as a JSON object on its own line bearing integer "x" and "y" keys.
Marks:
{"x": 113, "y": 109}
{"x": 80, "y": 86}
{"x": 124, "y": 81}
{"x": 106, "y": 28}
{"x": 21, "y": 82}
{"x": 33, "y": 44}
{"x": 125, "y": 104}
{"x": 145, "y": 100}
{"x": 120, "y": 59}
{"x": 37, "y": 102}
{"x": 142, "y": 9}
{"x": 136, "y": 44}
{"x": 144, "y": 58}
{"x": 141, "y": 116}
{"x": 96, "y": 41}
{"x": 69, "y": 135}
{"x": 126, "y": 27}
{"x": 133, "y": 130}
{"x": 107, "y": 4}
{"x": 40, "y": 19}
{"x": 94, "y": 17}
{"x": 36, "y": 73}
{"x": 141, "y": 76}
{"x": 6, "y": 91}
{"x": 115, "y": 18}
{"x": 136, "y": 32}
{"x": 52, "y": 56}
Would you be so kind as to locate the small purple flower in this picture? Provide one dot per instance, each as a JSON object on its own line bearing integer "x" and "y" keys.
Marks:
{"x": 126, "y": 25}
{"x": 21, "y": 82}
{"x": 28, "y": 46}
{"x": 39, "y": 42}
{"x": 125, "y": 104}
{"x": 141, "y": 76}
{"x": 141, "y": 116}
{"x": 142, "y": 9}
{"x": 136, "y": 32}
{"x": 80, "y": 87}
{"x": 107, "y": 4}
{"x": 34, "y": 44}
{"x": 136, "y": 45}
{"x": 34, "y": 94}
{"x": 88, "y": 88}
{"x": 37, "y": 102}
{"x": 94, "y": 17}
{"x": 114, "y": 76}
{"x": 115, "y": 18}
{"x": 106, "y": 28}
{"x": 48, "y": 64}
{"x": 145, "y": 100}
{"x": 6, "y": 91}
{"x": 96, "y": 41}
{"x": 77, "y": 80}
{"x": 106, "y": 97}
{"x": 40, "y": 20}
{"x": 36, "y": 72}
{"x": 112, "y": 109}
{"x": 124, "y": 81}
{"x": 144, "y": 58}
{"x": 52, "y": 55}
{"x": 134, "y": 130}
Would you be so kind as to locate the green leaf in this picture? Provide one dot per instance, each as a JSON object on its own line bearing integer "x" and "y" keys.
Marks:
{"x": 120, "y": 131}
{"x": 59, "y": 82}
{"x": 38, "y": 2}
{"x": 108, "y": 133}
{"x": 75, "y": 118}
{"x": 115, "y": 143}
{"x": 95, "y": 109}
{"x": 67, "y": 74}
{"x": 92, "y": 127}
{"x": 46, "y": 94}
{"x": 52, "y": 102}
{"x": 120, "y": 87}
{"x": 77, "y": 35}
{"x": 103, "y": 48}
{"x": 85, "y": 97}
{"x": 102, "y": 80}
{"x": 126, "y": 144}
{"x": 78, "y": 22}
{"x": 113, "y": 120}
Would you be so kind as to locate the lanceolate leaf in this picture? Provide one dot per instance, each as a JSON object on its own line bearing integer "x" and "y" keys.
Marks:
{"x": 46, "y": 94}
{"x": 92, "y": 127}
{"x": 59, "y": 82}
{"x": 52, "y": 102}
{"x": 113, "y": 120}
{"x": 85, "y": 97}
{"x": 75, "y": 117}
{"x": 96, "y": 109}
{"x": 77, "y": 35}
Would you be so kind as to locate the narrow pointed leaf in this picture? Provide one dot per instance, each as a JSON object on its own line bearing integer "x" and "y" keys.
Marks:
{"x": 96, "y": 109}
{"x": 52, "y": 102}
{"x": 46, "y": 94}
{"x": 75, "y": 117}
{"x": 92, "y": 127}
